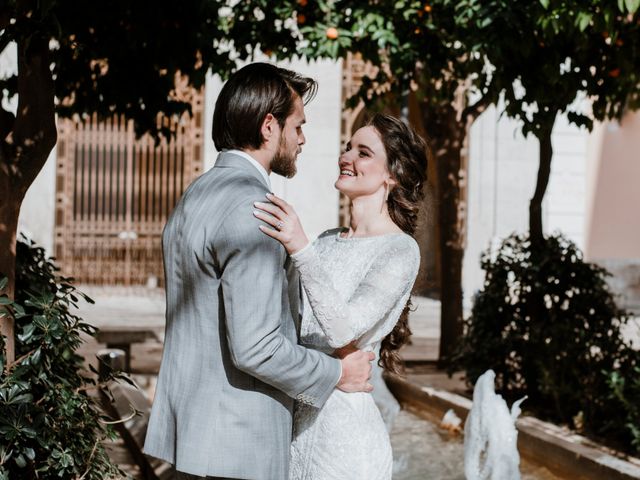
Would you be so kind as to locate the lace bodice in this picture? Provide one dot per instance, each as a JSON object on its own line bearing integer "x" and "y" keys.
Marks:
{"x": 355, "y": 287}
{"x": 355, "y": 290}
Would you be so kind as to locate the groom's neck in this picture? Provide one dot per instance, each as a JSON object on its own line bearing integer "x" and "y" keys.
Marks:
{"x": 263, "y": 156}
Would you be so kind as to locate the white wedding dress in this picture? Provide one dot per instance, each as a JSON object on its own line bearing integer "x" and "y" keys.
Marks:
{"x": 355, "y": 289}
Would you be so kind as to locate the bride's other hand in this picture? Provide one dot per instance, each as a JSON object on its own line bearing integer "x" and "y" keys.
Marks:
{"x": 287, "y": 228}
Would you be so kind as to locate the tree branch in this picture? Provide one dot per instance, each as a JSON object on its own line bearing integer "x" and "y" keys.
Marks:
{"x": 475, "y": 110}
{"x": 7, "y": 122}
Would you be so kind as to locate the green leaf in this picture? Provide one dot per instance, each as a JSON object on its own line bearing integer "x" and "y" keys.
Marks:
{"x": 34, "y": 359}
{"x": 18, "y": 311}
{"x": 3, "y": 282}
{"x": 632, "y": 5}
{"x": 27, "y": 333}
{"x": 30, "y": 453}
{"x": 584, "y": 19}
{"x": 21, "y": 462}
{"x": 5, "y": 300}
{"x": 486, "y": 22}
{"x": 545, "y": 3}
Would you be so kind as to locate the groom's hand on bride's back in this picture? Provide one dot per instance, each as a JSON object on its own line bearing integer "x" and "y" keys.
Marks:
{"x": 356, "y": 369}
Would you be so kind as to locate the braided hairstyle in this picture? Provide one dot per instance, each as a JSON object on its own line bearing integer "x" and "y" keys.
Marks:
{"x": 407, "y": 159}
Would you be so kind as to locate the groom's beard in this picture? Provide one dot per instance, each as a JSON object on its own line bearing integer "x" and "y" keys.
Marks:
{"x": 284, "y": 162}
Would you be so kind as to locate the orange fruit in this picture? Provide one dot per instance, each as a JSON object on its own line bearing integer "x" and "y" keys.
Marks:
{"x": 301, "y": 18}
{"x": 614, "y": 73}
{"x": 427, "y": 8}
{"x": 332, "y": 33}
{"x": 302, "y": 3}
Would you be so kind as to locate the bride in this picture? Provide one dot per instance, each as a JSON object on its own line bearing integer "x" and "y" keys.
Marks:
{"x": 357, "y": 282}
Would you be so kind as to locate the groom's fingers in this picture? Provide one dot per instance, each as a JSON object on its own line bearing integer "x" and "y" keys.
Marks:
{"x": 368, "y": 388}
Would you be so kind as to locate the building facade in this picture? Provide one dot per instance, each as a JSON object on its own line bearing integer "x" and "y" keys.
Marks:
{"x": 591, "y": 197}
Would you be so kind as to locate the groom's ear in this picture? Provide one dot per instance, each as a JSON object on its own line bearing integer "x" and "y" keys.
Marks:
{"x": 269, "y": 128}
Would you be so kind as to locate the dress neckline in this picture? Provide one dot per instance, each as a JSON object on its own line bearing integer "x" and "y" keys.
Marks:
{"x": 340, "y": 238}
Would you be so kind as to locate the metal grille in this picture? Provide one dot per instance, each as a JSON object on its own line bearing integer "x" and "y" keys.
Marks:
{"x": 114, "y": 194}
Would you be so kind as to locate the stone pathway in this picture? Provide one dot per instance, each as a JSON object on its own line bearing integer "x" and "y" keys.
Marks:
{"x": 422, "y": 450}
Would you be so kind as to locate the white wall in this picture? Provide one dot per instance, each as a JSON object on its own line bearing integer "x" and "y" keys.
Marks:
{"x": 565, "y": 204}
{"x": 38, "y": 208}
{"x": 311, "y": 191}
{"x": 503, "y": 166}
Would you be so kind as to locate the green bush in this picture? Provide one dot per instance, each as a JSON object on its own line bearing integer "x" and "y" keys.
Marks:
{"x": 49, "y": 426}
{"x": 547, "y": 324}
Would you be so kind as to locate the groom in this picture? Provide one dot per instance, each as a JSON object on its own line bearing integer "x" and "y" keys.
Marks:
{"x": 231, "y": 366}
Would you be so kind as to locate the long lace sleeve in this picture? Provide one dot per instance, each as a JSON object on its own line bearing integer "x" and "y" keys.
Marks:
{"x": 388, "y": 280}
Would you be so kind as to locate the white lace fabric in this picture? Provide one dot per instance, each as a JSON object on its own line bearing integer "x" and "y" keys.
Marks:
{"x": 355, "y": 290}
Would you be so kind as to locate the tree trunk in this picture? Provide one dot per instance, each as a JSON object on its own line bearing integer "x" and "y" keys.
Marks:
{"x": 25, "y": 145}
{"x": 9, "y": 212}
{"x": 536, "y": 231}
{"x": 447, "y": 133}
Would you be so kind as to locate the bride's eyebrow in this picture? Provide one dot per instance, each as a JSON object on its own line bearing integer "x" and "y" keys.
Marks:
{"x": 364, "y": 147}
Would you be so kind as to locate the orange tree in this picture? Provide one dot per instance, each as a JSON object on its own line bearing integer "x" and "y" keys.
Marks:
{"x": 581, "y": 59}
{"x": 119, "y": 57}
{"x": 462, "y": 56}
{"x": 546, "y": 55}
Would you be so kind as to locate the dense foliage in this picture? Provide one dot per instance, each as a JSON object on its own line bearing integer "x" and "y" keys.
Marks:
{"x": 570, "y": 359}
{"x": 49, "y": 426}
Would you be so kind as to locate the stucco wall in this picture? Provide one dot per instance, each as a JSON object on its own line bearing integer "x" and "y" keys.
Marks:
{"x": 38, "y": 208}
{"x": 613, "y": 221}
{"x": 503, "y": 167}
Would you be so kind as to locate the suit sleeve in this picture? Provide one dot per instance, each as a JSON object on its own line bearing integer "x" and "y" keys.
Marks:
{"x": 253, "y": 279}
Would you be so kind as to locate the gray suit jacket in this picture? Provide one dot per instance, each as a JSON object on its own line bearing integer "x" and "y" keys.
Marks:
{"x": 231, "y": 365}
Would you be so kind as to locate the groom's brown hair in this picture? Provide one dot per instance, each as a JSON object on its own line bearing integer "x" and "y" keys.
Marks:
{"x": 248, "y": 96}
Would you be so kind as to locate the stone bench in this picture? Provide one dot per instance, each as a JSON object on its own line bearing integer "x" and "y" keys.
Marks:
{"x": 122, "y": 337}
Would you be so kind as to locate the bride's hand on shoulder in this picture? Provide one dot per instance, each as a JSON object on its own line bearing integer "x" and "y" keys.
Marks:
{"x": 287, "y": 228}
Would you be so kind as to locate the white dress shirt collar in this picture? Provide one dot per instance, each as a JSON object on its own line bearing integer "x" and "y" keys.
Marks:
{"x": 253, "y": 162}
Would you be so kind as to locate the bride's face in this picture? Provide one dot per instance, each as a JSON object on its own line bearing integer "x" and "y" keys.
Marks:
{"x": 363, "y": 165}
